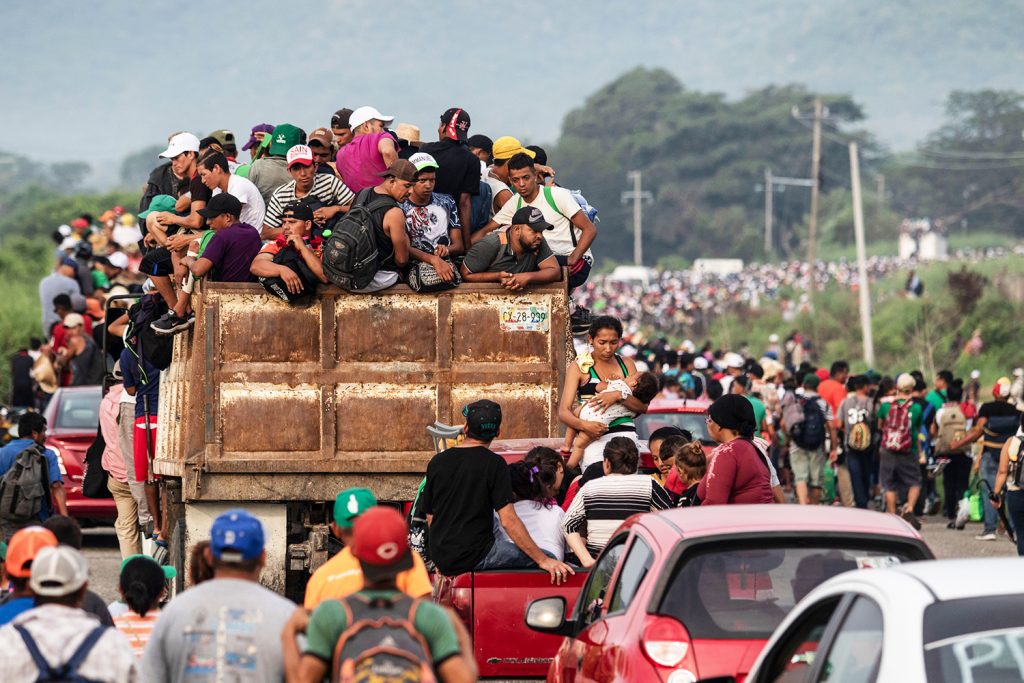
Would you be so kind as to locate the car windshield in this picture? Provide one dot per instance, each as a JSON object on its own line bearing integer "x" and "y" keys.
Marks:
{"x": 692, "y": 422}
{"x": 79, "y": 411}
{"x": 730, "y": 592}
{"x": 975, "y": 639}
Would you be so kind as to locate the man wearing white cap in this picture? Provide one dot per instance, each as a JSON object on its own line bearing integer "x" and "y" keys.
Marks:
{"x": 57, "y": 633}
{"x": 733, "y": 368}
{"x": 432, "y": 220}
{"x": 371, "y": 151}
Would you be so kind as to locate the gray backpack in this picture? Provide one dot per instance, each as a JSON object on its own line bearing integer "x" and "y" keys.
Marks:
{"x": 23, "y": 487}
{"x": 350, "y": 255}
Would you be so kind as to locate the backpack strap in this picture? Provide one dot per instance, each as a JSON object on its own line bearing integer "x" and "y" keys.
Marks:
{"x": 48, "y": 671}
{"x": 83, "y": 650}
{"x": 546, "y": 191}
{"x": 45, "y": 670}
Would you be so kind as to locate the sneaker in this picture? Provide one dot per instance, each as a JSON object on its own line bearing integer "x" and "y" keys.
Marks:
{"x": 170, "y": 323}
{"x": 987, "y": 536}
{"x": 911, "y": 519}
{"x": 951, "y": 525}
{"x": 933, "y": 506}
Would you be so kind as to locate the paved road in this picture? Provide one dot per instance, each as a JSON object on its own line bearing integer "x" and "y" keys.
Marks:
{"x": 105, "y": 560}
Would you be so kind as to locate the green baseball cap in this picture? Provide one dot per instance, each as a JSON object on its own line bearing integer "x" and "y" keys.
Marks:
{"x": 161, "y": 202}
{"x": 284, "y": 137}
{"x": 169, "y": 571}
{"x": 351, "y": 503}
{"x": 3, "y": 551}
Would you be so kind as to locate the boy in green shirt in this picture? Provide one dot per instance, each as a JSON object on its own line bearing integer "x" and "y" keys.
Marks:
{"x": 898, "y": 468}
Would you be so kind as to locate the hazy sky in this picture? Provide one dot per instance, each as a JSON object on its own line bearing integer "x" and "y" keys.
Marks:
{"x": 98, "y": 80}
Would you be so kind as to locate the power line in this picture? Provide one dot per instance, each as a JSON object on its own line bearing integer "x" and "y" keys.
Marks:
{"x": 983, "y": 156}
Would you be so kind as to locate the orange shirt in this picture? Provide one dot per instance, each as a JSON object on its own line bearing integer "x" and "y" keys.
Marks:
{"x": 341, "y": 576}
{"x": 833, "y": 392}
{"x": 137, "y": 629}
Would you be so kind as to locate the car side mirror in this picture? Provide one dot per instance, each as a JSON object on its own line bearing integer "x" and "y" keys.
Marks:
{"x": 547, "y": 615}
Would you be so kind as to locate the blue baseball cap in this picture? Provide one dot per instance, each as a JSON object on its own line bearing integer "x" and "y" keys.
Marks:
{"x": 236, "y": 536}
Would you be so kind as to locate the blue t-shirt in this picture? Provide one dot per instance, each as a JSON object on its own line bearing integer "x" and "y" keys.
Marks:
{"x": 12, "y": 608}
{"x": 133, "y": 377}
{"x": 10, "y": 452}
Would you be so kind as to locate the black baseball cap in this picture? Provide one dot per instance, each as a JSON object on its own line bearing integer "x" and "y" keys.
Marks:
{"x": 456, "y": 124}
{"x": 531, "y": 216}
{"x": 221, "y": 203}
{"x": 298, "y": 210}
{"x": 483, "y": 418}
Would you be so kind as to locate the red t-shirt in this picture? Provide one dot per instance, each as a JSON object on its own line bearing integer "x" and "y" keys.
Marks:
{"x": 737, "y": 475}
{"x": 833, "y": 392}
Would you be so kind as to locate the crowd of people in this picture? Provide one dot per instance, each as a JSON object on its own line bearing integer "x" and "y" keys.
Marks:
{"x": 675, "y": 302}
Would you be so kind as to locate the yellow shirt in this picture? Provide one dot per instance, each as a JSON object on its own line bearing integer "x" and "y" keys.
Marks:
{"x": 341, "y": 576}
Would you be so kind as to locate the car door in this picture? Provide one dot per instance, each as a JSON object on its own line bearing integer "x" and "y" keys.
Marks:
{"x": 590, "y": 633}
{"x": 600, "y": 661}
{"x": 791, "y": 659}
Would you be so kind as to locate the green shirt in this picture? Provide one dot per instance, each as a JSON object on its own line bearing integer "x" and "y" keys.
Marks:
{"x": 329, "y": 621}
{"x": 915, "y": 419}
{"x": 759, "y": 412}
{"x": 936, "y": 398}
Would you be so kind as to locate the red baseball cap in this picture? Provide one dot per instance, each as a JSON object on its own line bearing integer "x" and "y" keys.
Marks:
{"x": 381, "y": 543}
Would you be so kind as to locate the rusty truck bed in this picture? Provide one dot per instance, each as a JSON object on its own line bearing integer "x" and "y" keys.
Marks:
{"x": 265, "y": 401}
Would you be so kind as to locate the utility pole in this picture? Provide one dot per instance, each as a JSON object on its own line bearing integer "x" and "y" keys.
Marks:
{"x": 880, "y": 180}
{"x": 862, "y": 267}
{"x": 812, "y": 230}
{"x": 638, "y": 197}
{"x": 769, "y": 213}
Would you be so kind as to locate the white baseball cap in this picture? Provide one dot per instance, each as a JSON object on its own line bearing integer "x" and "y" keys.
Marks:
{"x": 733, "y": 360}
{"x": 700, "y": 363}
{"x": 118, "y": 260}
{"x": 58, "y": 571}
{"x": 422, "y": 160}
{"x": 299, "y": 154}
{"x": 182, "y": 142}
{"x": 364, "y": 114}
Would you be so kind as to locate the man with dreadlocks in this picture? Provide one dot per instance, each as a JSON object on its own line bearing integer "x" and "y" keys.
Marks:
{"x": 142, "y": 380}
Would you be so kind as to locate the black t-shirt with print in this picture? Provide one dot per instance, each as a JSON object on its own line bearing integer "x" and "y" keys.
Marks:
{"x": 465, "y": 486}
{"x": 199, "y": 191}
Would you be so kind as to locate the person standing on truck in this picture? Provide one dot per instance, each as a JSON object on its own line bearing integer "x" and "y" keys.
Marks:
{"x": 458, "y": 175}
{"x": 466, "y": 485}
{"x": 341, "y": 575}
{"x": 142, "y": 380}
{"x": 516, "y": 257}
{"x": 586, "y": 380}
{"x": 227, "y": 628}
{"x": 379, "y": 633}
{"x": 370, "y": 152}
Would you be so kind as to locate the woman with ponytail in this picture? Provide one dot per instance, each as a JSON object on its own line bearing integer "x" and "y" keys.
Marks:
{"x": 737, "y": 472}
{"x": 535, "y": 482}
{"x": 143, "y": 584}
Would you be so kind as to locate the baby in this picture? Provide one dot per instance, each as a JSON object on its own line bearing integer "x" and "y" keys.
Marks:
{"x": 642, "y": 385}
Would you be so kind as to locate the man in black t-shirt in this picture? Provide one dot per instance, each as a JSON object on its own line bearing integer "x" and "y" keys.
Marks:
{"x": 458, "y": 173}
{"x": 466, "y": 485}
{"x": 997, "y": 421}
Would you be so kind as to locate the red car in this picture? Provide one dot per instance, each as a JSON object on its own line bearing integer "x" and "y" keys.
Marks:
{"x": 685, "y": 413}
{"x": 72, "y": 419}
{"x": 695, "y": 593}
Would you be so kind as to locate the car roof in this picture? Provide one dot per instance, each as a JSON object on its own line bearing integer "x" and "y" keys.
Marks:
{"x": 957, "y": 579}
{"x": 678, "y": 405}
{"x": 88, "y": 389}
{"x": 711, "y": 520}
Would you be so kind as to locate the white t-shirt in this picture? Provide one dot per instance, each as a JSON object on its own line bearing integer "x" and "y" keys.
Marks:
{"x": 559, "y": 239}
{"x": 497, "y": 187}
{"x": 253, "y": 206}
{"x": 544, "y": 525}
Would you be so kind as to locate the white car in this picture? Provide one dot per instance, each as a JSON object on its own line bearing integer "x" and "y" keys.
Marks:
{"x": 956, "y": 621}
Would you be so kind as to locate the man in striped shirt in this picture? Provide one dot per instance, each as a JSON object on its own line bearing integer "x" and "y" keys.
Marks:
{"x": 328, "y": 190}
{"x": 603, "y": 504}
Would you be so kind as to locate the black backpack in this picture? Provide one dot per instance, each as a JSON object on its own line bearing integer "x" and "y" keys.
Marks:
{"x": 350, "y": 256}
{"x": 24, "y": 486}
{"x": 68, "y": 671}
{"x": 810, "y": 433}
{"x": 291, "y": 259}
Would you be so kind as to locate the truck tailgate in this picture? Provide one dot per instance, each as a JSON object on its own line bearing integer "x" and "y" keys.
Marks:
{"x": 504, "y": 646}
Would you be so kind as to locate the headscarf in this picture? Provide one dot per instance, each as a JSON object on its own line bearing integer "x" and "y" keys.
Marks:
{"x": 734, "y": 412}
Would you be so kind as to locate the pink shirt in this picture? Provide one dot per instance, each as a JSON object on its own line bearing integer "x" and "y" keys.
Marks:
{"x": 736, "y": 474}
{"x": 110, "y": 406}
{"x": 360, "y": 161}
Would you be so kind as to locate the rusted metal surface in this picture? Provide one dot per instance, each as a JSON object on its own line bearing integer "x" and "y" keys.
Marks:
{"x": 270, "y": 402}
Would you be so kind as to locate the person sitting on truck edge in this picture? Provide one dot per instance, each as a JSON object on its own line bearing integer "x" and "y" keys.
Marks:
{"x": 643, "y": 385}
{"x": 297, "y": 220}
{"x": 227, "y": 628}
{"x": 234, "y": 244}
{"x": 380, "y": 543}
{"x": 332, "y": 195}
{"x": 604, "y": 503}
{"x": 341, "y": 575}
{"x": 432, "y": 220}
{"x": 573, "y": 232}
{"x": 465, "y": 486}
{"x": 533, "y": 482}
{"x": 516, "y": 257}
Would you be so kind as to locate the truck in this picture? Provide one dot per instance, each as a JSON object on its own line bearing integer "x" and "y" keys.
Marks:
{"x": 276, "y": 408}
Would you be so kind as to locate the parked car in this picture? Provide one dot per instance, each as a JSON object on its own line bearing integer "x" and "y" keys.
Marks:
{"x": 513, "y": 450}
{"x": 952, "y": 621}
{"x": 72, "y": 419}
{"x": 695, "y": 593}
{"x": 685, "y": 413}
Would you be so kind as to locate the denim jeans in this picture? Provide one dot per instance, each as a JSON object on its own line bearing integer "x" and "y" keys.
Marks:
{"x": 1015, "y": 511}
{"x": 860, "y": 464}
{"x": 989, "y": 467}
{"x": 504, "y": 554}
